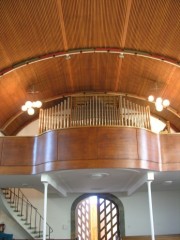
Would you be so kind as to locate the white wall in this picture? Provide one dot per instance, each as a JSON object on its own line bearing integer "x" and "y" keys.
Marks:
{"x": 136, "y": 214}
{"x": 11, "y": 226}
{"x": 166, "y": 210}
{"x": 58, "y": 214}
{"x": 166, "y": 207}
{"x": 30, "y": 130}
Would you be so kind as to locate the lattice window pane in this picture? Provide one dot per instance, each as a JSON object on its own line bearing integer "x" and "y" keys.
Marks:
{"x": 114, "y": 220}
{"x": 108, "y": 217}
{"x": 83, "y": 220}
{"x": 109, "y": 236}
{"x": 108, "y": 209}
{"x": 102, "y": 215}
{"x": 114, "y": 229}
{"x": 102, "y": 224}
{"x": 108, "y": 221}
{"x": 102, "y": 207}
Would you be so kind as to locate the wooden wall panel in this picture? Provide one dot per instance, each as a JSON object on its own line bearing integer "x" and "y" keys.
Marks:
{"x": 18, "y": 151}
{"x": 89, "y": 147}
{"x": 117, "y": 143}
{"x": 77, "y": 144}
{"x": 170, "y": 151}
{"x": 148, "y": 146}
{"x": 46, "y": 150}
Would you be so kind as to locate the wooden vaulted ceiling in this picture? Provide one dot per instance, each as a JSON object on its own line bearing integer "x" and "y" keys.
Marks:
{"x": 147, "y": 31}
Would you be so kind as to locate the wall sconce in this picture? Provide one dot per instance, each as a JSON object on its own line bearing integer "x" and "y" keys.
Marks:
{"x": 30, "y": 106}
{"x": 159, "y": 102}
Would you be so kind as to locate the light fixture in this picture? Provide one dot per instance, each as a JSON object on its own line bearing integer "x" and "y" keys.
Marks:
{"x": 159, "y": 102}
{"x": 168, "y": 182}
{"x": 98, "y": 175}
{"x": 121, "y": 55}
{"x": 67, "y": 57}
{"x": 30, "y": 106}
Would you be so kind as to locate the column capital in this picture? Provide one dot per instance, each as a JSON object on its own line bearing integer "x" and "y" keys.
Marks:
{"x": 150, "y": 176}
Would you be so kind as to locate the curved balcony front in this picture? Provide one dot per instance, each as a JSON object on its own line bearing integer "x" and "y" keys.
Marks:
{"x": 90, "y": 147}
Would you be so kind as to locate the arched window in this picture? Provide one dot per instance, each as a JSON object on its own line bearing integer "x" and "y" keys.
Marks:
{"x": 97, "y": 216}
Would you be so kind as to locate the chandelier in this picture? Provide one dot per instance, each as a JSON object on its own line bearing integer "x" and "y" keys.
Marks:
{"x": 160, "y": 103}
{"x": 30, "y": 106}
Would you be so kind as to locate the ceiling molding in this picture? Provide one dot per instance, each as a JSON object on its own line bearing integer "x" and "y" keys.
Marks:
{"x": 110, "y": 50}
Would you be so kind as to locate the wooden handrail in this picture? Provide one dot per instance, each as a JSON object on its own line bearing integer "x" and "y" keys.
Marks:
{"x": 26, "y": 210}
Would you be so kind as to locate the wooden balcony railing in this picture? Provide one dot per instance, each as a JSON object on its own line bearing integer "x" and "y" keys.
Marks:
{"x": 94, "y": 110}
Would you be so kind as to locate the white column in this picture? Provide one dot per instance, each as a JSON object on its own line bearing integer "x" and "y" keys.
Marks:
{"x": 150, "y": 178}
{"x": 45, "y": 209}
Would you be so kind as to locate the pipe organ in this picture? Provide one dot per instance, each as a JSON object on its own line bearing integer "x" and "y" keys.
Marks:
{"x": 94, "y": 110}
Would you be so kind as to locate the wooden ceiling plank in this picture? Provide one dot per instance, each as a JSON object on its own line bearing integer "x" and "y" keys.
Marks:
{"x": 123, "y": 43}
{"x": 126, "y": 23}
{"x": 168, "y": 80}
{"x": 61, "y": 18}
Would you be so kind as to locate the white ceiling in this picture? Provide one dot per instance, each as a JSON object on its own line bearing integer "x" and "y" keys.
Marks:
{"x": 120, "y": 181}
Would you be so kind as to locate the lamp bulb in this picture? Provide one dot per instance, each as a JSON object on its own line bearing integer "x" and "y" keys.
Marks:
{"x": 159, "y": 106}
{"x": 159, "y": 100}
{"x": 28, "y": 104}
{"x": 30, "y": 111}
{"x": 33, "y": 104}
{"x": 151, "y": 98}
{"x": 38, "y": 104}
{"x": 166, "y": 103}
{"x": 24, "y": 108}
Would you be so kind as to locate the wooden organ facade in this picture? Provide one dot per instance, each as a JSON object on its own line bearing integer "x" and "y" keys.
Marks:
{"x": 94, "y": 110}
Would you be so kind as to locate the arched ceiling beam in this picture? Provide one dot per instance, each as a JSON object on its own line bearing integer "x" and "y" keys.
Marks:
{"x": 118, "y": 51}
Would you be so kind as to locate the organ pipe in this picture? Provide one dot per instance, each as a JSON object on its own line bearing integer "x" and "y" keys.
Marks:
{"x": 94, "y": 110}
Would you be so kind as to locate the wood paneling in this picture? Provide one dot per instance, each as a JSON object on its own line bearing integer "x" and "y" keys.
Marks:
{"x": 17, "y": 170}
{"x": 148, "y": 146}
{"x": 98, "y": 28}
{"x": 77, "y": 144}
{"x": 117, "y": 143}
{"x": 89, "y": 147}
{"x": 46, "y": 148}
{"x": 18, "y": 151}
{"x": 170, "y": 151}
{"x": 32, "y": 28}
{"x": 152, "y": 20}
